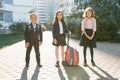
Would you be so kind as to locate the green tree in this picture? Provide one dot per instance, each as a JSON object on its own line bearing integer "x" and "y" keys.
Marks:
{"x": 17, "y": 27}
{"x": 107, "y": 16}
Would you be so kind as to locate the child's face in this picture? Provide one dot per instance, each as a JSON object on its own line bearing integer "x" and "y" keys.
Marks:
{"x": 88, "y": 14}
{"x": 59, "y": 16}
{"x": 33, "y": 18}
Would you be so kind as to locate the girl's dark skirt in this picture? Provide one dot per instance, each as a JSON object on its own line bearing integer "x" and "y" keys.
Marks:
{"x": 84, "y": 41}
{"x": 60, "y": 40}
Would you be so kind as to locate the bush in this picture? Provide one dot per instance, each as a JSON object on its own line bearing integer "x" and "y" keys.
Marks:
{"x": 108, "y": 23}
{"x": 78, "y": 32}
{"x": 17, "y": 27}
{"x": 74, "y": 27}
{"x": 107, "y": 29}
{"x": 102, "y": 32}
{"x": 7, "y": 39}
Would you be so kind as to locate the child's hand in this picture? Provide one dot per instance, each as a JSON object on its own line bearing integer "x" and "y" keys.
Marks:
{"x": 55, "y": 41}
{"x": 90, "y": 38}
{"x": 69, "y": 33}
{"x": 27, "y": 44}
{"x": 40, "y": 43}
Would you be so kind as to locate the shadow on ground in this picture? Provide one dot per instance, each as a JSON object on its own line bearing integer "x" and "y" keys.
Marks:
{"x": 101, "y": 77}
{"x": 73, "y": 73}
{"x": 34, "y": 76}
{"x": 24, "y": 74}
{"x": 109, "y": 48}
{"x": 36, "y": 73}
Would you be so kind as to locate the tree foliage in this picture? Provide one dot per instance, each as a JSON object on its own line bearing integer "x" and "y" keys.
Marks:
{"x": 107, "y": 17}
{"x": 17, "y": 27}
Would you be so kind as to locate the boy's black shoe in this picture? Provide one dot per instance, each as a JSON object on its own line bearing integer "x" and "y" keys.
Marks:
{"x": 39, "y": 65}
{"x": 27, "y": 65}
{"x": 93, "y": 63}
{"x": 57, "y": 64}
{"x": 84, "y": 64}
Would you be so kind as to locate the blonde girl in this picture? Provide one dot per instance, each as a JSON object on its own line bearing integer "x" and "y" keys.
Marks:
{"x": 88, "y": 29}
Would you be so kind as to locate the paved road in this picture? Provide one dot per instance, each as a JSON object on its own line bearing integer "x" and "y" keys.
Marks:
{"x": 12, "y": 62}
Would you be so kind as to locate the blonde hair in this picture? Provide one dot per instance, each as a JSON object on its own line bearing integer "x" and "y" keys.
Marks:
{"x": 89, "y": 9}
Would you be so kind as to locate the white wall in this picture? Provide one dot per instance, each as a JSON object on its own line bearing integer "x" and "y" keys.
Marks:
{"x": 23, "y": 2}
{"x": 21, "y": 10}
{"x": 21, "y": 13}
{"x": 7, "y": 7}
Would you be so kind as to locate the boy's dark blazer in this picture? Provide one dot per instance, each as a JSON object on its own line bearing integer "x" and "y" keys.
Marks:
{"x": 33, "y": 35}
{"x": 56, "y": 29}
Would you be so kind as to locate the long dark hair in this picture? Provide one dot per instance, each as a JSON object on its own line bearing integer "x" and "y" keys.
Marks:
{"x": 62, "y": 20}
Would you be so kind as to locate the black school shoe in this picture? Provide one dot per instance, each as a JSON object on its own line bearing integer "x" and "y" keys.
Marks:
{"x": 93, "y": 63}
{"x": 85, "y": 64}
{"x": 57, "y": 64}
{"x": 39, "y": 65}
{"x": 64, "y": 63}
{"x": 27, "y": 65}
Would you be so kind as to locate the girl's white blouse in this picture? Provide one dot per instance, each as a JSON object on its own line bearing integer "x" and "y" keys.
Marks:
{"x": 88, "y": 23}
{"x": 61, "y": 27}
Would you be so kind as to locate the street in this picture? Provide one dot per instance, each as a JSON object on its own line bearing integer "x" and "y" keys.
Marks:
{"x": 106, "y": 55}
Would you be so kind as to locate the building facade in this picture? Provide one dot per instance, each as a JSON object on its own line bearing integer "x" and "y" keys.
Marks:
{"x": 68, "y": 6}
{"x": 65, "y": 6}
{"x": 14, "y": 11}
{"x": 45, "y": 10}
{"x": 42, "y": 10}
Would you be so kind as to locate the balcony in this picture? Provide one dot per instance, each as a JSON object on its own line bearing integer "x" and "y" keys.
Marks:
{"x": 1, "y": 4}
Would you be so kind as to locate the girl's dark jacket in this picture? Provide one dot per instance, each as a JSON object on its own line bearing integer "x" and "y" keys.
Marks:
{"x": 56, "y": 29}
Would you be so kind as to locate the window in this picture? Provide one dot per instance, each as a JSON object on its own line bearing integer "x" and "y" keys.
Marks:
{"x": 1, "y": 16}
{"x": 9, "y": 1}
{"x": 1, "y": 3}
{"x": 8, "y": 16}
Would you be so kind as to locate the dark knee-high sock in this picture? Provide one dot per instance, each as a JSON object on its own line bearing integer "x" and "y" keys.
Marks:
{"x": 92, "y": 53}
{"x": 84, "y": 53}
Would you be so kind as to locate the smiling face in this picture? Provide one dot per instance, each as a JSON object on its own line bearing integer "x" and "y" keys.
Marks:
{"x": 33, "y": 18}
{"x": 89, "y": 14}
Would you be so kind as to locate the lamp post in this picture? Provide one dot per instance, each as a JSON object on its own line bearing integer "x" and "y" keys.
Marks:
{"x": 34, "y": 10}
{"x": 34, "y": 3}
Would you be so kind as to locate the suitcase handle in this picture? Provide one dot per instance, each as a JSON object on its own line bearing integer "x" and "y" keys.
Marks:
{"x": 68, "y": 39}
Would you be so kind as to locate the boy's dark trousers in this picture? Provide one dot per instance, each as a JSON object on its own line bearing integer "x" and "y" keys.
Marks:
{"x": 36, "y": 49}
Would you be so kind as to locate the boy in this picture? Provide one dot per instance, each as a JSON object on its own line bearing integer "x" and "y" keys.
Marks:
{"x": 33, "y": 37}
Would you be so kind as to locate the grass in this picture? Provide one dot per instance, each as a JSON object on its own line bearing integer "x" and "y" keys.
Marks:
{"x": 8, "y": 39}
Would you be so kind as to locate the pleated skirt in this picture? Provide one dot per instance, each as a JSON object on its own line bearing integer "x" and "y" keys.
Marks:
{"x": 60, "y": 40}
{"x": 84, "y": 41}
